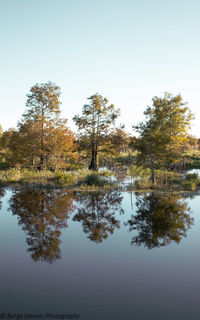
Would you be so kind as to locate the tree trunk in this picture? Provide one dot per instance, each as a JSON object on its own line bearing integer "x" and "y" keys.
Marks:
{"x": 153, "y": 179}
{"x": 41, "y": 165}
{"x": 93, "y": 163}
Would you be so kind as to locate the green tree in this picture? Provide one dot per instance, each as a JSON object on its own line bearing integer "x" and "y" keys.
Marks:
{"x": 94, "y": 126}
{"x": 164, "y": 133}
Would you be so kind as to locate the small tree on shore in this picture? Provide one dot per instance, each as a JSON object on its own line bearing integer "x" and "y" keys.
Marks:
{"x": 95, "y": 124}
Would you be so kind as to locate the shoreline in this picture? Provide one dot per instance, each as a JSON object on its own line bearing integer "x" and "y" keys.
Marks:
{"x": 85, "y": 188}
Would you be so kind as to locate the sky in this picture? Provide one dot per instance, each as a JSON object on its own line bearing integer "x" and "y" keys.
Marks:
{"x": 126, "y": 50}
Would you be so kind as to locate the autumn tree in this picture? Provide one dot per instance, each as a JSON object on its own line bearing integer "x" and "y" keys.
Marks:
{"x": 7, "y": 155}
{"x": 164, "y": 133}
{"x": 94, "y": 126}
{"x": 118, "y": 140}
{"x": 42, "y": 134}
{"x": 2, "y": 145}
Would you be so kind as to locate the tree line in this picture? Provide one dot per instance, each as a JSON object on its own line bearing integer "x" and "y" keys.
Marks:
{"x": 43, "y": 139}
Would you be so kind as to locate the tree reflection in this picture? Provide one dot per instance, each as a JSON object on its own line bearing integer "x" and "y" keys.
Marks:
{"x": 2, "y": 193}
{"x": 97, "y": 213}
{"x": 42, "y": 214}
{"x": 159, "y": 220}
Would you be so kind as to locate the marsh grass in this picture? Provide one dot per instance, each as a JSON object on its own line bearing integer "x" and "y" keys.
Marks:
{"x": 191, "y": 182}
{"x": 61, "y": 177}
{"x": 23, "y": 176}
{"x": 90, "y": 180}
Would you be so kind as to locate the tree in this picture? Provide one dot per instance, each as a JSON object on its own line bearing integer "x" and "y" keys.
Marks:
{"x": 2, "y": 193}
{"x": 6, "y": 153}
{"x": 42, "y": 134}
{"x": 1, "y": 143}
{"x": 94, "y": 125}
{"x": 164, "y": 133}
{"x": 43, "y": 107}
{"x": 61, "y": 145}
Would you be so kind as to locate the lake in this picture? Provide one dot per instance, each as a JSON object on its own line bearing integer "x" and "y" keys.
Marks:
{"x": 95, "y": 255}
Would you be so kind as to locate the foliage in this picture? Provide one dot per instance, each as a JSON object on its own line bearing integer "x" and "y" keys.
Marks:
{"x": 43, "y": 139}
{"x": 94, "y": 127}
{"x": 25, "y": 175}
{"x": 138, "y": 171}
{"x": 189, "y": 185}
{"x": 119, "y": 140}
{"x": 163, "y": 135}
{"x": 143, "y": 184}
{"x": 65, "y": 177}
{"x": 105, "y": 173}
{"x": 192, "y": 177}
{"x": 191, "y": 182}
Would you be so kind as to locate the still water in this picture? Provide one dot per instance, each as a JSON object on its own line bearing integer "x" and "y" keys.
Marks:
{"x": 114, "y": 255}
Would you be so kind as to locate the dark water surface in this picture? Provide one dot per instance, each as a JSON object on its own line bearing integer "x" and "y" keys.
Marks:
{"x": 114, "y": 255}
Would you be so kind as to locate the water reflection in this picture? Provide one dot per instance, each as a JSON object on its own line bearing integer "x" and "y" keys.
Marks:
{"x": 2, "y": 193}
{"x": 97, "y": 212}
{"x": 159, "y": 220}
{"x": 42, "y": 214}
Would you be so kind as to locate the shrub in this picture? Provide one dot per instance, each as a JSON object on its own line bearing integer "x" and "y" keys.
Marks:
{"x": 105, "y": 173}
{"x": 93, "y": 179}
{"x": 11, "y": 175}
{"x": 192, "y": 177}
{"x": 65, "y": 177}
{"x": 189, "y": 185}
{"x": 138, "y": 171}
{"x": 142, "y": 184}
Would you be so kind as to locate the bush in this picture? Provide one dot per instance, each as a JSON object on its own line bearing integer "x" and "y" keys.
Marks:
{"x": 93, "y": 180}
{"x": 4, "y": 165}
{"x": 192, "y": 177}
{"x": 189, "y": 185}
{"x": 143, "y": 184}
{"x": 11, "y": 175}
{"x": 138, "y": 171}
{"x": 65, "y": 177}
{"x": 105, "y": 173}
{"x": 191, "y": 182}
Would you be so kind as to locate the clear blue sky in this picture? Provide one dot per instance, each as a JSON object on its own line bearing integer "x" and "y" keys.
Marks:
{"x": 126, "y": 50}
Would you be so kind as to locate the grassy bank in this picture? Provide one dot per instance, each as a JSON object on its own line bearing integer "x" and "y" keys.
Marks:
{"x": 83, "y": 179}
{"x": 79, "y": 178}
